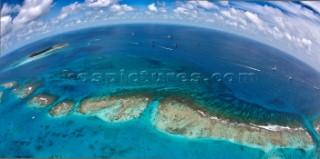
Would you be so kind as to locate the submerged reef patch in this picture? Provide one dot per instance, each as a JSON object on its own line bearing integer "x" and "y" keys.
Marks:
{"x": 8, "y": 84}
{"x": 316, "y": 126}
{"x": 92, "y": 105}
{"x": 115, "y": 107}
{"x": 27, "y": 89}
{"x": 125, "y": 109}
{"x": 62, "y": 108}
{"x": 183, "y": 114}
{"x": 42, "y": 100}
{"x": 1, "y": 94}
{"x": 228, "y": 107}
{"x": 178, "y": 116}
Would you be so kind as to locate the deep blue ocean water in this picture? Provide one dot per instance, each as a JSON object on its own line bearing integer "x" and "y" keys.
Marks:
{"x": 130, "y": 49}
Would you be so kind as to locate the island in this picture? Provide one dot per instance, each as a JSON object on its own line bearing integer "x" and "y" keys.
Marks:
{"x": 55, "y": 47}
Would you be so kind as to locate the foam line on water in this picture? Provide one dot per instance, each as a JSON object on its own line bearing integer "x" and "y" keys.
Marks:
{"x": 251, "y": 68}
{"x": 167, "y": 48}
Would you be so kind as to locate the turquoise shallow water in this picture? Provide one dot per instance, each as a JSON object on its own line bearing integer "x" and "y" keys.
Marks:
{"x": 116, "y": 50}
{"x": 91, "y": 137}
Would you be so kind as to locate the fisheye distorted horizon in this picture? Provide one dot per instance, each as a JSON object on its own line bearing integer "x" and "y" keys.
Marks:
{"x": 292, "y": 27}
{"x": 160, "y": 79}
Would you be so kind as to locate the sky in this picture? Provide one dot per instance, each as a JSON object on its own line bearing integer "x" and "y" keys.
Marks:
{"x": 293, "y": 27}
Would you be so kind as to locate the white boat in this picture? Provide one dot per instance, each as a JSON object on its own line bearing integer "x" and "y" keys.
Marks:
{"x": 274, "y": 68}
